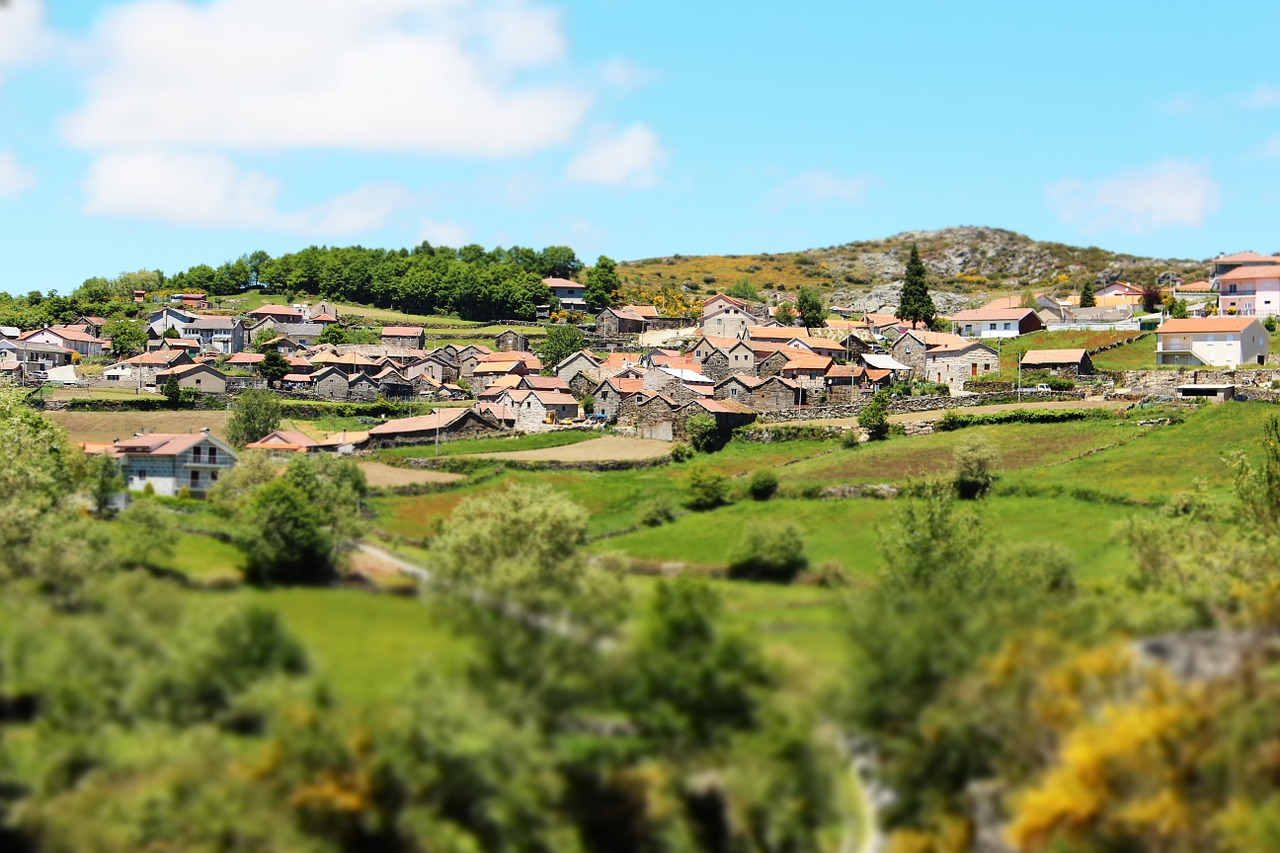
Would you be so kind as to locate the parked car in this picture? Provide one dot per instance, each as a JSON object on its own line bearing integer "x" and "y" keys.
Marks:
{"x": 1043, "y": 387}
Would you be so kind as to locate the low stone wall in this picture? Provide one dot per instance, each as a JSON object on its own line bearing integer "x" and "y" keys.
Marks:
{"x": 910, "y": 405}
{"x": 1163, "y": 382}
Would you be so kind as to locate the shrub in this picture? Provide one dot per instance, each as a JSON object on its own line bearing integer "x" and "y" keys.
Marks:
{"x": 1270, "y": 324}
{"x": 975, "y": 459}
{"x": 704, "y": 433}
{"x": 184, "y": 493}
{"x": 769, "y": 554}
{"x": 657, "y": 511}
{"x": 707, "y": 489}
{"x": 763, "y": 485}
{"x": 875, "y": 417}
{"x": 589, "y": 404}
{"x": 851, "y": 440}
{"x": 829, "y": 575}
{"x": 681, "y": 452}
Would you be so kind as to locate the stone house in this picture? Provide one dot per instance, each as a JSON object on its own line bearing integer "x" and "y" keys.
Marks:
{"x": 536, "y": 411}
{"x": 330, "y": 383}
{"x": 956, "y": 364}
{"x": 434, "y": 364}
{"x": 583, "y": 384}
{"x": 808, "y": 371}
{"x": 773, "y": 363}
{"x": 169, "y": 462}
{"x": 610, "y": 393}
{"x": 404, "y": 337}
{"x": 362, "y": 387}
{"x": 224, "y": 335}
{"x": 727, "y": 322}
{"x": 393, "y": 385}
{"x": 1061, "y": 362}
{"x": 440, "y": 425}
{"x": 614, "y": 322}
{"x": 510, "y": 340}
{"x": 776, "y": 393}
{"x": 202, "y": 377}
{"x": 720, "y": 362}
{"x": 486, "y": 371}
{"x": 654, "y": 416}
{"x": 576, "y": 363}
{"x": 911, "y": 345}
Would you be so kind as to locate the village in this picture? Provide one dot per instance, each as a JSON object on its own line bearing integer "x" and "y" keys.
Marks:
{"x": 644, "y": 375}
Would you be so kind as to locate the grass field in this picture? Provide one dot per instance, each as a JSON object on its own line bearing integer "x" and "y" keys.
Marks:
{"x": 1139, "y": 355}
{"x": 1012, "y": 350}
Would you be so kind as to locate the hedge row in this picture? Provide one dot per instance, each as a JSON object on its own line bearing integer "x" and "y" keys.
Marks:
{"x": 954, "y": 420}
{"x": 206, "y": 402}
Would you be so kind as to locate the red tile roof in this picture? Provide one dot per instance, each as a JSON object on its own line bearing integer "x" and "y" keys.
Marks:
{"x": 1207, "y": 325}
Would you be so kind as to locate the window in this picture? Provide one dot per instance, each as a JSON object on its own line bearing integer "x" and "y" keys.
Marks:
{"x": 973, "y": 369}
{"x": 195, "y": 478}
{"x": 142, "y": 475}
{"x": 195, "y": 455}
{"x": 1007, "y": 327}
{"x": 213, "y": 455}
{"x": 986, "y": 368}
{"x": 214, "y": 476}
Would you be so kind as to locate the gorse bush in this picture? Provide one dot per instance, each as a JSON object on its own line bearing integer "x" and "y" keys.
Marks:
{"x": 975, "y": 467}
{"x": 706, "y": 489}
{"x": 762, "y": 485}
{"x": 875, "y": 417}
{"x": 774, "y": 554}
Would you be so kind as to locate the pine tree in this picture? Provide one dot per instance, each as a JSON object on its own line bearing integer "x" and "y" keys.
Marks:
{"x": 1087, "y": 299}
{"x": 916, "y": 304}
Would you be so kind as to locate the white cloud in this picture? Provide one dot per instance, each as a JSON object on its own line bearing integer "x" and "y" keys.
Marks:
{"x": 624, "y": 75}
{"x": 15, "y": 178}
{"x": 625, "y": 159}
{"x": 1167, "y": 194}
{"x": 458, "y": 77}
{"x": 442, "y": 233}
{"x": 819, "y": 186}
{"x": 23, "y": 34}
{"x": 1268, "y": 150}
{"x": 1263, "y": 97}
{"x": 210, "y": 190}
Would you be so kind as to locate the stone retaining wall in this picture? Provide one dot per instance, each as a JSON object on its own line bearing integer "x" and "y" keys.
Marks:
{"x": 910, "y": 405}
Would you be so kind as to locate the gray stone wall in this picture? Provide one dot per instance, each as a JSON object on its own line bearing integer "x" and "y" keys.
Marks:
{"x": 908, "y": 405}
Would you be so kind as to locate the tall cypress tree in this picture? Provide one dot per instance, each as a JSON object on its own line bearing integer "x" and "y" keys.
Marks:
{"x": 916, "y": 304}
{"x": 1087, "y": 299}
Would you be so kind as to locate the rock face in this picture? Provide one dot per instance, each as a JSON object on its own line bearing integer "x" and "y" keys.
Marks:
{"x": 884, "y": 299}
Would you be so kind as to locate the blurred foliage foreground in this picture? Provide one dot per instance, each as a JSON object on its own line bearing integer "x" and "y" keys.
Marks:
{"x": 994, "y": 699}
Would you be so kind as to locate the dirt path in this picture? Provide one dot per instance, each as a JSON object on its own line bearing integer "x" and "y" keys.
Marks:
{"x": 379, "y": 474}
{"x": 610, "y": 448}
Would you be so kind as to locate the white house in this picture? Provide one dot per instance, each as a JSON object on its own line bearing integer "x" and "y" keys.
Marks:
{"x": 170, "y": 462}
{"x": 1212, "y": 341}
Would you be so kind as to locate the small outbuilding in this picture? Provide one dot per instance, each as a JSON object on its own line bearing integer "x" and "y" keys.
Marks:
{"x": 1063, "y": 362}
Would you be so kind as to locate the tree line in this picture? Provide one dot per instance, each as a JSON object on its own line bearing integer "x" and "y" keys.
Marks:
{"x": 471, "y": 282}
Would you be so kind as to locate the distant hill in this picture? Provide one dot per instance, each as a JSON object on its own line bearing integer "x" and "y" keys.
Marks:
{"x": 967, "y": 266}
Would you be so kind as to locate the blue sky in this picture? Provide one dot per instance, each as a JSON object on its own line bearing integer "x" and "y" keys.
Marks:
{"x": 166, "y": 133}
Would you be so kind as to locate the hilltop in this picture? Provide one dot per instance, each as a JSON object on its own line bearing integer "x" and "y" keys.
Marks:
{"x": 967, "y": 265}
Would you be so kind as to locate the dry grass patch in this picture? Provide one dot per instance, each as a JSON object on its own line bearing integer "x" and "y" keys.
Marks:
{"x": 108, "y": 426}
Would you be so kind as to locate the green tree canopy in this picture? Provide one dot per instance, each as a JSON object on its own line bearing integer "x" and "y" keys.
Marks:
{"x": 273, "y": 366}
{"x": 1087, "y": 299}
{"x": 603, "y": 283}
{"x": 128, "y": 337}
{"x": 560, "y": 343}
{"x": 916, "y": 304}
{"x": 257, "y": 414}
{"x": 334, "y": 334}
{"x": 809, "y": 306}
{"x": 285, "y": 539}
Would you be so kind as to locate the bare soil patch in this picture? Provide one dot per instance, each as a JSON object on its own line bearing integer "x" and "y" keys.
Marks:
{"x": 610, "y": 448}
{"x": 379, "y": 474}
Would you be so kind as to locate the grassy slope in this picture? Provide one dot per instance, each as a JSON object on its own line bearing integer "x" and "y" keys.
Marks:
{"x": 1011, "y": 351}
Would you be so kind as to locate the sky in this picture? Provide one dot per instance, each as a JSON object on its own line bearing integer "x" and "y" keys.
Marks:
{"x": 161, "y": 134}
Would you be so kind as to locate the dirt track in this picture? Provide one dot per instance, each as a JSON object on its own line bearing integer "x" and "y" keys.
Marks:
{"x": 379, "y": 474}
{"x": 610, "y": 448}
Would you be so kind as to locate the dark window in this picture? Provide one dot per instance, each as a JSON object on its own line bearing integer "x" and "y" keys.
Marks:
{"x": 213, "y": 455}
{"x": 195, "y": 478}
{"x": 195, "y": 454}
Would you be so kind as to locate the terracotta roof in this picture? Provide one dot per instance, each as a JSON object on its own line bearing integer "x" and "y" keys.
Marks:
{"x": 1194, "y": 287}
{"x": 802, "y": 361}
{"x": 991, "y": 314}
{"x": 961, "y": 346}
{"x": 774, "y": 333}
{"x": 1244, "y": 258}
{"x": 186, "y": 368}
{"x": 1208, "y": 325}
{"x": 746, "y": 379}
{"x": 344, "y": 437}
{"x": 503, "y": 414}
{"x": 645, "y": 312}
{"x": 724, "y": 407}
{"x": 157, "y": 444}
{"x": 496, "y": 367}
{"x": 401, "y": 331}
{"x": 277, "y": 310}
{"x": 324, "y": 318}
{"x": 731, "y": 300}
{"x": 1053, "y": 356}
{"x": 1252, "y": 273}
{"x": 283, "y": 439}
{"x": 439, "y": 419}
{"x": 561, "y": 282}
{"x": 246, "y": 358}
{"x": 503, "y": 383}
{"x": 297, "y": 377}
{"x": 840, "y": 370}
{"x": 545, "y": 383}
{"x": 620, "y": 360}
{"x": 626, "y": 387}
{"x": 933, "y": 339}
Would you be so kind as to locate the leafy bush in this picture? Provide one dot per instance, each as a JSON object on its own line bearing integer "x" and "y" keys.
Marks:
{"x": 954, "y": 420}
{"x": 975, "y": 460}
{"x": 769, "y": 554}
{"x": 763, "y": 485}
{"x": 875, "y": 417}
{"x": 707, "y": 489}
{"x": 681, "y": 452}
{"x": 658, "y": 510}
{"x": 704, "y": 433}
{"x": 851, "y": 440}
